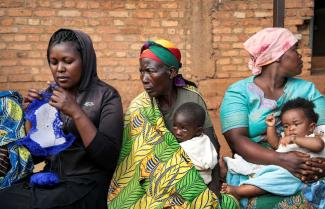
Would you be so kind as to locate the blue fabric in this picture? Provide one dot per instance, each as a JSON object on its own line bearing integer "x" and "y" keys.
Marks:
{"x": 33, "y": 146}
{"x": 235, "y": 180}
{"x": 44, "y": 179}
{"x": 12, "y": 123}
{"x": 275, "y": 180}
{"x": 315, "y": 194}
{"x": 244, "y": 105}
{"x": 12, "y": 129}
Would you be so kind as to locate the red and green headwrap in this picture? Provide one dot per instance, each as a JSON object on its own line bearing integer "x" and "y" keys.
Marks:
{"x": 162, "y": 51}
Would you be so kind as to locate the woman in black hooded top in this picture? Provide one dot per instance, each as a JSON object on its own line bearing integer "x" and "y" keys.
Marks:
{"x": 92, "y": 111}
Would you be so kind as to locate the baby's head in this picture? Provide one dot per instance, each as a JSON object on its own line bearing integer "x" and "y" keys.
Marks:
{"x": 298, "y": 117}
{"x": 188, "y": 121}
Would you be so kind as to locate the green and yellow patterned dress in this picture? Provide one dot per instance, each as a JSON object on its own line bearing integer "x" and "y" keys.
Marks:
{"x": 153, "y": 170}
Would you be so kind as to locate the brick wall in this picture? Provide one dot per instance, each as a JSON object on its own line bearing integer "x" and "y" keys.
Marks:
{"x": 209, "y": 33}
{"x": 117, "y": 28}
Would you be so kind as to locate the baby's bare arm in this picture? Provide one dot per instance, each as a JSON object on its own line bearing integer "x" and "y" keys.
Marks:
{"x": 271, "y": 134}
{"x": 272, "y": 137}
{"x": 314, "y": 144}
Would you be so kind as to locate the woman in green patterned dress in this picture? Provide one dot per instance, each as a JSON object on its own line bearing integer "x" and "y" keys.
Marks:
{"x": 153, "y": 170}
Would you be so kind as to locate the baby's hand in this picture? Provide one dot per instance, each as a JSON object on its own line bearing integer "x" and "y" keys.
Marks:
{"x": 287, "y": 140}
{"x": 270, "y": 120}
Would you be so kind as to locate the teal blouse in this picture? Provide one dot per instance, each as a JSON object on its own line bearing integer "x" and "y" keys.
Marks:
{"x": 244, "y": 105}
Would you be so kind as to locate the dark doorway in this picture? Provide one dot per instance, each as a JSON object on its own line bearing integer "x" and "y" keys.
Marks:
{"x": 318, "y": 59}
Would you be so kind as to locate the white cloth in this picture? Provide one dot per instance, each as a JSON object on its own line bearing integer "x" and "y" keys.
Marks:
{"x": 320, "y": 130}
{"x": 294, "y": 147}
{"x": 240, "y": 166}
{"x": 45, "y": 136}
{"x": 202, "y": 154}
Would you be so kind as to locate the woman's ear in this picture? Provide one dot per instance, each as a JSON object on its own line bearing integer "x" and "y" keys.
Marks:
{"x": 172, "y": 72}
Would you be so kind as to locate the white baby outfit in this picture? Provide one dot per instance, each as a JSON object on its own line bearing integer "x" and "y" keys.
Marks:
{"x": 202, "y": 154}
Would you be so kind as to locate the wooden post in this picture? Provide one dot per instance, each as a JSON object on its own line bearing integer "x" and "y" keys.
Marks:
{"x": 278, "y": 13}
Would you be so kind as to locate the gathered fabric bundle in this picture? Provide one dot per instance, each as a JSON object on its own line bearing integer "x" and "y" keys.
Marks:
{"x": 46, "y": 137}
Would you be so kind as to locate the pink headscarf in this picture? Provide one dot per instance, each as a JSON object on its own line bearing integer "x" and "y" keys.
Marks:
{"x": 267, "y": 45}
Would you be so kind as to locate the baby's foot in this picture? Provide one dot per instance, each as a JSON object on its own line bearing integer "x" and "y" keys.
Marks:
{"x": 223, "y": 168}
{"x": 228, "y": 189}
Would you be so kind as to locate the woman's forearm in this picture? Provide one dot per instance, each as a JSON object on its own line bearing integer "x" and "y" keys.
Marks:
{"x": 86, "y": 128}
{"x": 294, "y": 162}
{"x": 214, "y": 184}
{"x": 252, "y": 152}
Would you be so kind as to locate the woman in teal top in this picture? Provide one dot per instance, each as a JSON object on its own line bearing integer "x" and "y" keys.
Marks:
{"x": 274, "y": 61}
{"x": 245, "y": 105}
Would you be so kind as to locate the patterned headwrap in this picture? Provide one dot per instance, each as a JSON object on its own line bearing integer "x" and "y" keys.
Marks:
{"x": 267, "y": 45}
{"x": 162, "y": 51}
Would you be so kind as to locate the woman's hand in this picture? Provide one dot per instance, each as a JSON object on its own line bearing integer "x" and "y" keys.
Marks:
{"x": 295, "y": 163}
{"x": 31, "y": 96}
{"x": 318, "y": 165}
{"x": 4, "y": 161}
{"x": 65, "y": 102}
